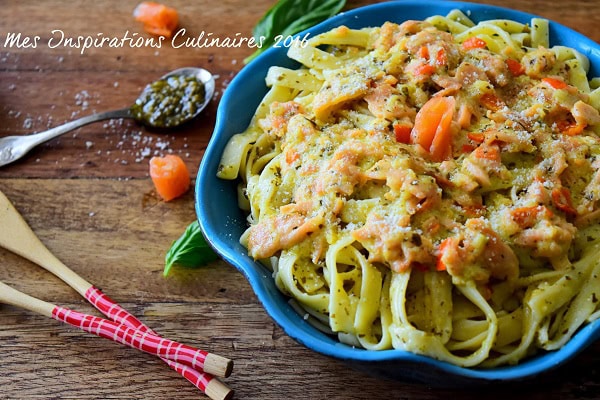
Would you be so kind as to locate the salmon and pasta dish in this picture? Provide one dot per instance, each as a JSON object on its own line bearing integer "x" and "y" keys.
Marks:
{"x": 430, "y": 186}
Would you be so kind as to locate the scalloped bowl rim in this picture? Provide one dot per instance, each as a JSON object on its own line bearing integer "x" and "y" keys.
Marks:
{"x": 222, "y": 225}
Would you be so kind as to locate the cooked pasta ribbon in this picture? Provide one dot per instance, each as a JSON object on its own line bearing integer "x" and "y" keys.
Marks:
{"x": 431, "y": 186}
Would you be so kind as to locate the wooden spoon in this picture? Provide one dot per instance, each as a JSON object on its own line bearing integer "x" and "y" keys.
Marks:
{"x": 17, "y": 236}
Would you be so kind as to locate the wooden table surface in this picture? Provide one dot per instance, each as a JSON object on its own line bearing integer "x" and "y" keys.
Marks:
{"x": 89, "y": 198}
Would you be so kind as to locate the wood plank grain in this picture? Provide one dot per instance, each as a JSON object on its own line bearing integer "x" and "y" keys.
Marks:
{"x": 268, "y": 364}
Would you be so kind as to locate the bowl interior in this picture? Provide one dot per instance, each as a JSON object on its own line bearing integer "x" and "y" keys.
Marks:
{"x": 223, "y": 222}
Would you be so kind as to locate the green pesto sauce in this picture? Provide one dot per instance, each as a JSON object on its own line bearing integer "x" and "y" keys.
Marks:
{"x": 169, "y": 102}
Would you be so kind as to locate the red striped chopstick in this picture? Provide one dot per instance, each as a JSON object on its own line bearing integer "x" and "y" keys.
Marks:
{"x": 21, "y": 240}
{"x": 144, "y": 341}
{"x": 202, "y": 380}
{"x": 184, "y": 359}
{"x": 213, "y": 364}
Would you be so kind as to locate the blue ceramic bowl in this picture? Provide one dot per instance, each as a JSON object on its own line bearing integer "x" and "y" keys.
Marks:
{"x": 223, "y": 223}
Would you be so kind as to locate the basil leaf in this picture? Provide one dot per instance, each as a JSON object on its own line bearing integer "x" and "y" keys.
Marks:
{"x": 308, "y": 13}
{"x": 191, "y": 250}
{"x": 288, "y": 17}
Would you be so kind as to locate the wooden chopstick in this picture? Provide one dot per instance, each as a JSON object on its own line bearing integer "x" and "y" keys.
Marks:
{"x": 21, "y": 240}
{"x": 174, "y": 352}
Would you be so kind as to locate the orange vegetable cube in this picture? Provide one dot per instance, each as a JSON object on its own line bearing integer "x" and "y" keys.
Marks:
{"x": 170, "y": 176}
{"x": 157, "y": 18}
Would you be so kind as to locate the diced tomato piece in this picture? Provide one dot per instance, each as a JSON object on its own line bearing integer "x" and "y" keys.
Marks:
{"x": 478, "y": 137}
{"x": 424, "y": 70}
{"x": 561, "y": 197}
{"x": 402, "y": 132}
{"x": 443, "y": 247}
{"x": 473, "y": 43}
{"x": 491, "y": 101}
{"x": 515, "y": 67}
{"x": 441, "y": 58}
{"x": 487, "y": 152}
{"x": 554, "y": 83}
{"x": 570, "y": 128}
{"x": 467, "y": 148}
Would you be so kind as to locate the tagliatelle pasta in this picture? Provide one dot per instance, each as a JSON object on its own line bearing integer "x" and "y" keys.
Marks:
{"x": 431, "y": 186}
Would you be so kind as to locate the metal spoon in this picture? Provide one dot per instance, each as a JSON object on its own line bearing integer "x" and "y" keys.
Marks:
{"x": 13, "y": 148}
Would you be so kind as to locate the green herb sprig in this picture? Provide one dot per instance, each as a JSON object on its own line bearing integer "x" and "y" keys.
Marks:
{"x": 288, "y": 17}
{"x": 191, "y": 250}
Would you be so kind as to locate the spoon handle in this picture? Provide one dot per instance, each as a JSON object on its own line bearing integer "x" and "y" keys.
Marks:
{"x": 13, "y": 148}
{"x": 18, "y": 237}
{"x": 11, "y": 296}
